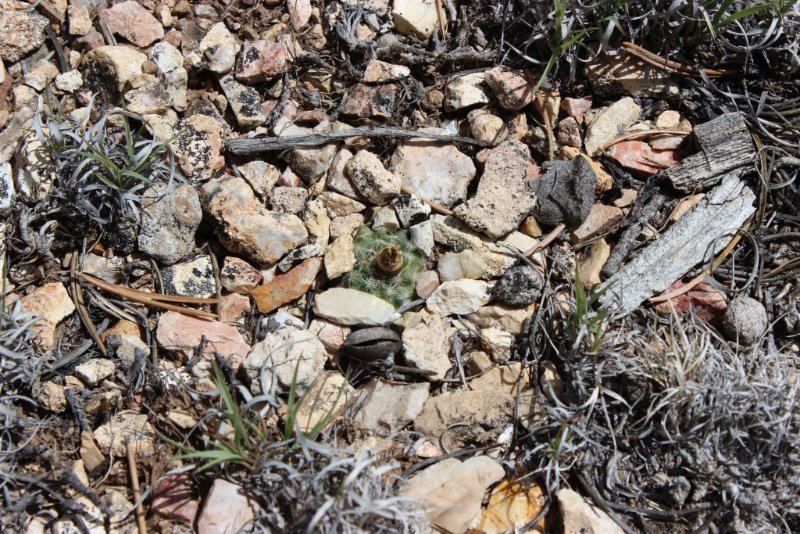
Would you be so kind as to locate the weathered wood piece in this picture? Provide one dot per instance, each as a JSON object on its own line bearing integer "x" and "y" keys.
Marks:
{"x": 694, "y": 238}
{"x": 725, "y": 147}
{"x": 248, "y": 147}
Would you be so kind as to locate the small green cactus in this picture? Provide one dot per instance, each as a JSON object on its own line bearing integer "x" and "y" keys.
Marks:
{"x": 387, "y": 265}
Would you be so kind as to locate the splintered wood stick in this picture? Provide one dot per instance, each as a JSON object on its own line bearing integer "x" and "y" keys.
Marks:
{"x": 247, "y": 147}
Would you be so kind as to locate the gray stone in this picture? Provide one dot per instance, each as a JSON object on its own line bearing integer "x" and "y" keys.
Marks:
{"x": 410, "y": 210}
{"x": 565, "y": 193}
{"x": 69, "y": 81}
{"x": 150, "y": 98}
{"x": 435, "y": 171}
{"x": 454, "y": 235}
{"x": 170, "y": 62}
{"x": 745, "y": 320}
{"x": 261, "y": 176}
{"x": 459, "y": 297}
{"x": 7, "y": 191}
{"x": 452, "y": 491}
{"x": 216, "y": 51}
{"x": 95, "y": 370}
{"x": 579, "y": 516}
{"x": 415, "y": 17}
{"x": 169, "y": 221}
{"x": 238, "y": 276}
{"x": 352, "y": 307}
{"x": 193, "y": 278}
{"x": 459, "y": 265}
{"x": 486, "y": 409}
{"x": 288, "y": 199}
{"x": 112, "y": 66}
{"x": 465, "y": 90}
{"x": 385, "y": 218}
{"x": 21, "y": 32}
{"x": 245, "y": 103}
{"x": 422, "y": 237}
{"x": 387, "y": 408}
{"x": 503, "y": 198}
{"x": 427, "y": 345}
{"x": 310, "y": 163}
{"x": 287, "y": 355}
{"x": 519, "y": 286}
{"x": 371, "y": 179}
{"x": 198, "y": 146}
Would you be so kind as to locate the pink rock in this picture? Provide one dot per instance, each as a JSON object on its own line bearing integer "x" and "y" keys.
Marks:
{"x": 370, "y": 101}
{"x": 600, "y": 218}
{"x": 227, "y": 509}
{"x": 174, "y": 498}
{"x": 427, "y": 282}
{"x": 133, "y": 22}
{"x": 639, "y": 156}
{"x": 259, "y": 61}
{"x": 288, "y": 178}
{"x": 513, "y": 90}
{"x": 568, "y": 133}
{"x": 576, "y": 107}
{"x": 233, "y": 307}
{"x": 299, "y": 13}
{"x": 238, "y": 276}
{"x": 709, "y": 303}
{"x": 181, "y": 333}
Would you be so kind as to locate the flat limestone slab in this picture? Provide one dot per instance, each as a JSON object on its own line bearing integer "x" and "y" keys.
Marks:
{"x": 694, "y": 238}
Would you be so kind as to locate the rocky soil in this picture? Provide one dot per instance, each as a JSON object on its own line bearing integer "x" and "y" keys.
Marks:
{"x": 350, "y": 267}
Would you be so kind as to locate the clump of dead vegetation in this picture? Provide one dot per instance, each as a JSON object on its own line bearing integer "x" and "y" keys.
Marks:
{"x": 303, "y": 481}
{"x": 99, "y": 164}
{"x": 659, "y": 420}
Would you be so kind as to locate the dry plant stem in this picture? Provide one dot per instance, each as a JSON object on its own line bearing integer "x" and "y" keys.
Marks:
{"x": 549, "y": 238}
{"x": 669, "y": 65}
{"x": 246, "y": 147}
{"x": 153, "y": 299}
{"x": 137, "y": 493}
{"x": 442, "y": 19}
{"x": 644, "y": 133}
{"x": 80, "y": 305}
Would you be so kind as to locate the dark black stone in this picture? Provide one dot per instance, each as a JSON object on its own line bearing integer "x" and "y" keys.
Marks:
{"x": 519, "y": 286}
{"x": 565, "y": 194}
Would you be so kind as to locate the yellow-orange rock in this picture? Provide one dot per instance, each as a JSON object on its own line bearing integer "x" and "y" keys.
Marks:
{"x": 511, "y": 506}
{"x": 287, "y": 287}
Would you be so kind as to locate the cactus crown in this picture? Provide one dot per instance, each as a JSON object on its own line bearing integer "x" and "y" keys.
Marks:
{"x": 367, "y": 274}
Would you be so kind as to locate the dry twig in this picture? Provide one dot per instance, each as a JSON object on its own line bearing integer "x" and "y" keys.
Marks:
{"x": 137, "y": 493}
{"x": 670, "y": 65}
